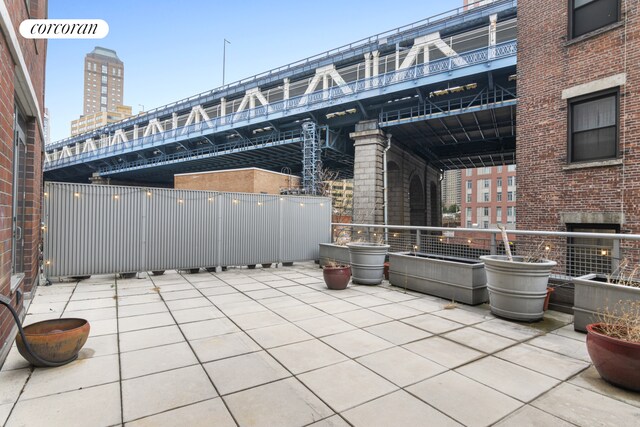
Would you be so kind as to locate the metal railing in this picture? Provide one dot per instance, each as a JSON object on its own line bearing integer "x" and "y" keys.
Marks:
{"x": 317, "y": 98}
{"x": 577, "y": 254}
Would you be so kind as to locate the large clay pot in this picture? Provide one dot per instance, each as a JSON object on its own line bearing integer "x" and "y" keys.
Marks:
{"x": 617, "y": 361}
{"x": 54, "y": 340}
{"x": 336, "y": 278}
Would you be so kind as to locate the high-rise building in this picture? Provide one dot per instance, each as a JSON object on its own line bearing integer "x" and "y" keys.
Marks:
{"x": 489, "y": 197}
{"x": 451, "y": 188}
{"x": 103, "y": 81}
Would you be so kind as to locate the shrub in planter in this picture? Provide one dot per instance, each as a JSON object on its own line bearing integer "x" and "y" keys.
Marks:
{"x": 614, "y": 345}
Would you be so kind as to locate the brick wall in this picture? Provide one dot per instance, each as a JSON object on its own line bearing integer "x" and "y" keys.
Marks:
{"x": 548, "y": 63}
{"x": 34, "y": 54}
{"x": 250, "y": 180}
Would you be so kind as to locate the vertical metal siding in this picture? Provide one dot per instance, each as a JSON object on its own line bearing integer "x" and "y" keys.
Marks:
{"x": 93, "y": 229}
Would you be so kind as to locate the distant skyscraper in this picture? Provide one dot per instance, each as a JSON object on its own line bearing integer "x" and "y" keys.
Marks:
{"x": 451, "y": 188}
{"x": 103, "y": 81}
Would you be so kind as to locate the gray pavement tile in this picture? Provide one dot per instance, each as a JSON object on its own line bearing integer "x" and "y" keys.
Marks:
{"x": 397, "y": 332}
{"x": 298, "y": 312}
{"x": 356, "y": 343}
{"x": 140, "y": 309}
{"x": 584, "y": 407}
{"x": 103, "y": 327}
{"x": 156, "y": 359}
{"x": 528, "y": 416}
{"x": 197, "y": 314}
{"x": 92, "y": 406}
{"x": 591, "y": 379}
{"x": 395, "y": 311}
{"x": 334, "y": 421}
{"x": 183, "y": 304}
{"x": 426, "y": 305}
{"x": 346, "y": 385}
{"x": 363, "y": 317}
{"x": 145, "y": 338}
{"x": 324, "y": 325}
{"x": 222, "y": 346}
{"x": 264, "y": 294}
{"x": 277, "y": 335}
{"x": 482, "y": 405}
{"x": 138, "y": 299}
{"x": 461, "y": 315}
{"x": 259, "y": 319}
{"x": 208, "y": 328}
{"x": 543, "y": 361}
{"x": 245, "y": 371}
{"x": 284, "y": 403}
{"x": 97, "y": 346}
{"x": 479, "y": 339}
{"x": 335, "y": 306}
{"x": 444, "y": 352}
{"x": 433, "y": 324}
{"x": 400, "y": 366}
{"x": 396, "y": 409}
{"x": 176, "y": 295}
{"x": 242, "y": 307}
{"x": 11, "y": 384}
{"x": 563, "y": 345}
{"x": 366, "y": 301}
{"x": 156, "y": 393}
{"x": 210, "y": 412}
{"x": 513, "y": 330}
{"x": 508, "y": 378}
{"x": 307, "y": 355}
{"x": 145, "y": 321}
{"x": 569, "y": 332}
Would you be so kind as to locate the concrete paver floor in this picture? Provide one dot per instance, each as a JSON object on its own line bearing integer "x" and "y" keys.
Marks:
{"x": 274, "y": 347}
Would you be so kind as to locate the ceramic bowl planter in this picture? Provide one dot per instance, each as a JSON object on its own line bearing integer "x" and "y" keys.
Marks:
{"x": 367, "y": 262}
{"x": 452, "y": 278}
{"x": 336, "y": 277}
{"x": 593, "y": 294}
{"x": 617, "y": 361}
{"x": 55, "y": 340}
{"x": 517, "y": 289}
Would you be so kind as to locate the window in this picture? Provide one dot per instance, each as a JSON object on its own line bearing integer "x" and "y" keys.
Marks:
{"x": 468, "y": 198}
{"x": 104, "y": 79}
{"x": 498, "y": 214}
{"x": 511, "y": 168}
{"x": 485, "y": 197}
{"x": 487, "y": 183}
{"x": 19, "y": 192}
{"x": 590, "y": 254}
{"x": 103, "y": 90}
{"x": 469, "y": 224}
{"x": 469, "y": 214}
{"x": 499, "y": 169}
{"x": 469, "y": 185}
{"x": 509, "y": 211}
{"x": 468, "y": 172}
{"x": 485, "y": 224}
{"x": 509, "y": 196}
{"x": 89, "y": 66}
{"x": 593, "y": 124}
{"x": 499, "y": 196}
{"x": 589, "y": 15}
{"x": 103, "y": 100}
{"x": 510, "y": 181}
{"x": 104, "y": 69}
{"x": 484, "y": 171}
{"x": 94, "y": 66}
{"x": 485, "y": 211}
{"x": 499, "y": 183}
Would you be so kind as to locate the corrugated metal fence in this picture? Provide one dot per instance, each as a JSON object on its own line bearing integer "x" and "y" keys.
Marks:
{"x": 103, "y": 229}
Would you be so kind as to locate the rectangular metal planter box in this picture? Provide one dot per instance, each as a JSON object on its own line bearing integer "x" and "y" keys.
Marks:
{"x": 593, "y": 294}
{"x": 330, "y": 252}
{"x": 458, "y": 279}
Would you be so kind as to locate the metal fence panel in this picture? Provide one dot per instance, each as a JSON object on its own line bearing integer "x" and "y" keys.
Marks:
{"x": 95, "y": 229}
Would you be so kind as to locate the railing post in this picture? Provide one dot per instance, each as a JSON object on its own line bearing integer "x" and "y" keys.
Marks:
{"x": 494, "y": 247}
{"x": 616, "y": 255}
{"x": 417, "y": 248}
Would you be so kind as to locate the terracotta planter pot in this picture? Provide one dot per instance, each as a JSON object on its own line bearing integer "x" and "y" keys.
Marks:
{"x": 617, "y": 361}
{"x": 336, "y": 278}
{"x": 55, "y": 340}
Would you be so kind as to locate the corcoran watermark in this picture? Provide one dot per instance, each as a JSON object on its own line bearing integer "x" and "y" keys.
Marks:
{"x": 64, "y": 29}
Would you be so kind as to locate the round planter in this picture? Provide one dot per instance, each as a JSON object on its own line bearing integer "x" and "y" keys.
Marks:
{"x": 54, "y": 340}
{"x": 617, "y": 361}
{"x": 517, "y": 289}
{"x": 367, "y": 262}
{"x": 157, "y": 272}
{"x": 336, "y": 278}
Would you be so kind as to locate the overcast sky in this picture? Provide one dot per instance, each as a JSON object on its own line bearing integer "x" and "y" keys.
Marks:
{"x": 173, "y": 49}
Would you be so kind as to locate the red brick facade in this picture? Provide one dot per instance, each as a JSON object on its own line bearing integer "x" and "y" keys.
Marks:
{"x": 14, "y": 52}
{"x": 552, "y": 192}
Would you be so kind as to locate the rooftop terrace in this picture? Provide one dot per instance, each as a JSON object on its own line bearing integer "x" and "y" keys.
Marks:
{"x": 275, "y": 347}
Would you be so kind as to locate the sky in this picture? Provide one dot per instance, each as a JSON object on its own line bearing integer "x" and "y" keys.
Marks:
{"x": 174, "y": 49}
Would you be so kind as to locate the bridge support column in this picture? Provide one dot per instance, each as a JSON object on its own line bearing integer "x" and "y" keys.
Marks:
{"x": 369, "y": 143}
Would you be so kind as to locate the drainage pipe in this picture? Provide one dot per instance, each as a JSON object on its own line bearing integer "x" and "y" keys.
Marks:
{"x": 385, "y": 191}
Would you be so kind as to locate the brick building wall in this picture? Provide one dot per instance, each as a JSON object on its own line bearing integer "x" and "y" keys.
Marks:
{"x": 553, "y": 70}
{"x": 247, "y": 180}
{"x": 491, "y": 190}
{"x": 22, "y": 69}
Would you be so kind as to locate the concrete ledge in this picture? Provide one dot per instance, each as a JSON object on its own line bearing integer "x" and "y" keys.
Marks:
{"x": 594, "y": 164}
{"x": 592, "y": 217}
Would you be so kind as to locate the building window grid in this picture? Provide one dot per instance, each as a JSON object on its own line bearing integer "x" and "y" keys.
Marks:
{"x": 593, "y": 126}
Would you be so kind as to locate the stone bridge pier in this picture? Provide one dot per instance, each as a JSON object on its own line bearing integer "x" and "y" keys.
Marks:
{"x": 413, "y": 193}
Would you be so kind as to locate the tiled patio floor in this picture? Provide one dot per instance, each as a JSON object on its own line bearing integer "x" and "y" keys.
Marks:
{"x": 274, "y": 347}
